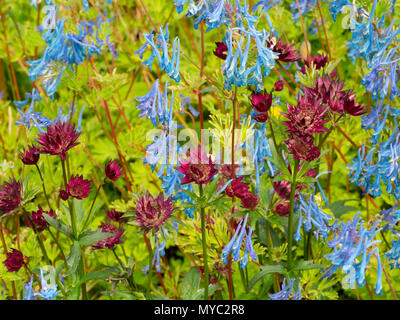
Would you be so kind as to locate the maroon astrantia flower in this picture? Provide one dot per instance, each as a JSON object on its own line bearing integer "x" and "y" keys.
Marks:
{"x": 306, "y": 118}
{"x": 302, "y": 147}
{"x": 30, "y": 156}
{"x": 116, "y": 216}
{"x": 249, "y": 201}
{"x": 15, "y": 260}
{"x": 109, "y": 242}
{"x": 59, "y": 138}
{"x": 197, "y": 167}
{"x": 78, "y": 187}
{"x": 286, "y": 51}
{"x": 38, "y": 219}
{"x": 350, "y": 106}
{"x": 319, "y": 61}
{"x": 113, "y": 170}
{"x": 221, "y": 50}
{"x": 11, "y": 194}
{"x": 226, "y": 170}
{"x": 63, "y": 195}
{"x": 278, "y": 86}
{"x": 261, "y": 102}
{"x": 152, "y": 212}
{"x": 282, "y": 208}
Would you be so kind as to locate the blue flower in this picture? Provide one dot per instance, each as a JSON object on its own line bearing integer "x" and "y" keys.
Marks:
{"x": 85, "y": 5}
{"x": 305, "y": 7}
{"x": 391, "y": 216}
{"x": 235, "y": 244}
{"x": 29, "y": 292}
{"x": 287, "y": 291}
{"x": 393, "y": 255}
{"x": 158, "y": 252}
{"x": 353, "y": 247}
{"x": 47, "y": 292}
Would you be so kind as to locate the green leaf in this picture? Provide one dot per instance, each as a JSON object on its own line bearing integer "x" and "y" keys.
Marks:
{"x": 60, "y": 226}
{"x": 307, "y": 265}
{"x": 339, "y": 208}
{"x": 74, "y": 258}
{"x": 265, "y": 270}
{"x": 191, "y": 194}
{"x": 95, "y": 275}
{"x": 191, "y": 283}
{"x": 89, "y": 237}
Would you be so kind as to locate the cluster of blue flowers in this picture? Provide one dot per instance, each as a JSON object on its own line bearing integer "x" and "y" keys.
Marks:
{"x": 63, "y": 49}
{"x": 235, "y": 244}
{"x": 158, "y": 253}
{"x": 171, "y": 66}
{"x": 353, "y": 247}
{"x": 393, "y": 255}
{"x": 287, "y": 291}
{"x": 47, "y": 292}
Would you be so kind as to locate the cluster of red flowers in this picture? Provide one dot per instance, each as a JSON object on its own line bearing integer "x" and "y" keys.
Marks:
{"x": 38, "y": 220}
{"x": 313, "y": 110}
{"x": 238, "y": 188}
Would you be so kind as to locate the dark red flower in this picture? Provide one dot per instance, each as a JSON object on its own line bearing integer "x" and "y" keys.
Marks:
{"x": 282, "y": 208}
{"x": 306, "y": 118}
{"x": 59, "y": 138}
{"x": 78, "y": 187}
{"x": 302, "y": 147}
{"x": 226, "y": 170}
{"x": 30, "y": 156}
{"x": 63, "y": 195}
{"x": 261, "y": 101}
{"x": 109, "y": 242}
{"x": 319, "y": 61}
{"x": 11, "y": 194}
{"x": 116, "y": 216}
{"x": 220, "y": 50}
{"x": 113, "y": 170}
{"x": 286, "y": 51}
{"x": 278, "y": 86}
{"x": 15, "y": 260}
{"x": 249, "y": 201}
{"x": 282, "y": 189}
{"x": 261, "y": 117}
{"x": 239, "y": 188}
{"x": 38, "y": 219}
{"x": 152, "y": 212}
{"x": 350, "y": 106}
{"x": 197, "y": 167}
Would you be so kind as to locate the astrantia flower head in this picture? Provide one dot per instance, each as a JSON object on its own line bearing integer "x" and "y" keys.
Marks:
{"x": 38, "y": 219}
{"x": 78, "y": 187}
{"x": 286, "y": 51}
{"x": 109, "y": 242}
{"x": 302, "y": 147}
{"x": 153, "y": 212}
{"x": 282, "y": 208}
{"x": 30, "y": 156}
{"x": 11, "y": 194}
{"x": 113, "y": 170}
{"x": 278, "y": 86}
{"x": 249, "y": 201}
{"x": 116, "y": 216}
{"x": 59, "y": 138}
{"x": 221, "y": 50}
{"x": 261, "y": 102}
{"x": 197, "y": 167}
{"x": 318, "y": 61}
{"x": 15, "y": 260}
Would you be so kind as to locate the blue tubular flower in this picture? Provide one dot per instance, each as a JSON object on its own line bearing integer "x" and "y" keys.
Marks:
{"x": 235, "y": 244}
{"x": 336, "y": 6}
{"x": 29, "y": 292}
{"x": 266, "y": 4}
{"x": 391, "y": 216}
{"x": 85, "y": 5}
{"x": 47, "y": 292}
{"x": 351, "y": 241}
{"x": 305, "y": 7}
{"x": 393, "y": 255}
{"x": 179, "y": 5}
{"x": 287, "y": 291}
{"x": 161, "y": 43}
{"x": 158, "y": 252}
{"x": 310, "y": 215}
{"x": 30, "y": 117}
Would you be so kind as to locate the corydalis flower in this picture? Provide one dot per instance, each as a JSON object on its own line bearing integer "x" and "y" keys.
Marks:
{"x": 11, "y": 194}
{"x": 15, "y": 260}
{"x": 30, "y": 156}
{"x": 78, "y": 187}
{"x": 113, "y": 170}
{"x": 109, "y": 242}
{"x": 197, "y": 167}
{"x": 38, "y": 219}
{"x": 221, "y": 50}
{"x": 47, "y": 292}
{"x": 153, "y": 212}
{"x": 287, "y": 292}
{"x": 59, "y": 138}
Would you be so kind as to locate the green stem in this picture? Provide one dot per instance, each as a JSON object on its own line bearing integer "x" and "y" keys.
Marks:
{"x": 123, "y": 268}
{"x": 204, "y": 241}
{"x": 43, "y": 186}
{"x": 39, "y": 239}
{"x": 91, "y": 207}
{"x": 58, "y": 245}
{"x": 243, "y": 279}
{"x": 291, "y": 214}
{"x": 70, "y": 204}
